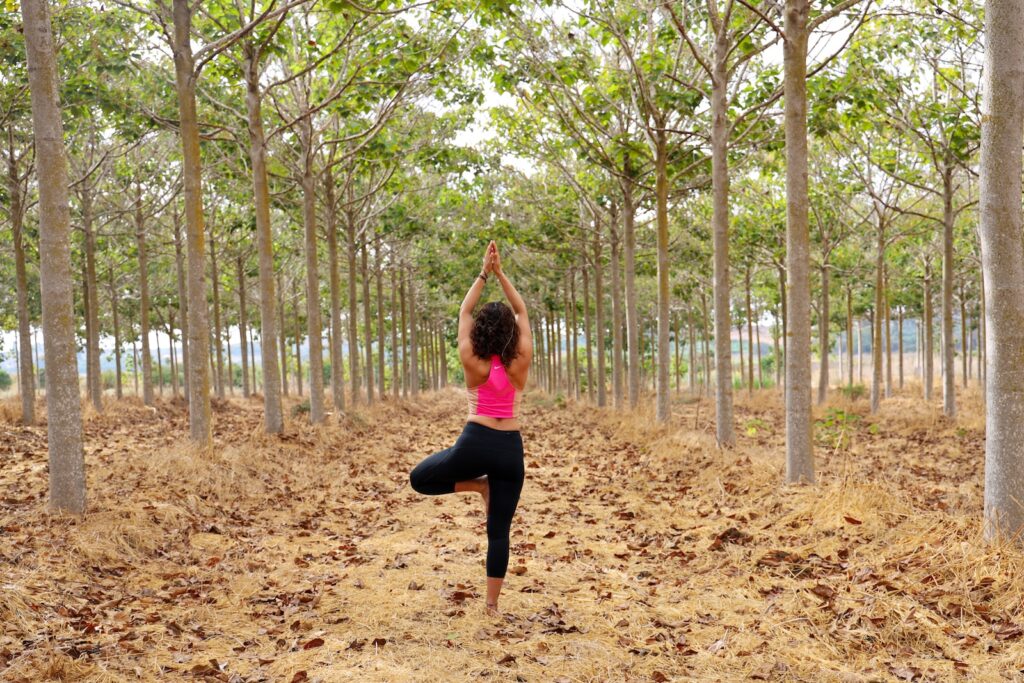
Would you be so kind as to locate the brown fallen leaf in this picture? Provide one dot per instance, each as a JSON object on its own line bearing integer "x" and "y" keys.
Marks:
{"x": 507, "y": 660}
{"x": 851, "y": 520}
{"x": 316, "y": 642}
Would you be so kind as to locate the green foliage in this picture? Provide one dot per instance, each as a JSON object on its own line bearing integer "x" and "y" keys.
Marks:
{"x": 835, "y": 430}
{"x": 5, "y": 380}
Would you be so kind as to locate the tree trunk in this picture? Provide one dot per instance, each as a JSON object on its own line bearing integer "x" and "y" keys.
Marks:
{"x": 877, "y": 318}
{"x": 618, "y": 371}
{"x": 799, "y": 448}
{"x": 888, "y": 332}
{"x": 179, "y": 263}
{"x": 314, "y": 326}
{"x": 785, "y": 323}
{"x": 706, "y": 335}
{"x": 574, "y": 340}
{"x": 632, "y": 326}
{"x": 849, "y": 337}
{"x": 243, "y": 325}
{"x": 899, "y": 334}
{"x": 284, "y": 345}
{"x": 198, "y": 324}
{"x": 414, "y": 374}
{"x": 217, "y": 332}
{"x": 26, "y": 375}
{"x": 140, "y": 248}
{"x": 336, "y": 350}
{"x": 724, "y": 429}
{"x": 159, "y": 363}
{"x": 963, "y": 338}
{"x": 750, "y": 336}
{"x": 691, "y": 370}
{"x": 379, "y": 274}
{"x": 174, "y": 367}
{"x": 298, "y": 350}
{"x": 948, "y": 342}
{"x": 394, "y": 332}
{"x": 114, "y": 304}
{"x": 273, "y": 414}
{"x": 823, "y": 338}
{"x": 1002, "y": 116}
{"x": 602, "y": 398}
{"x": 353, "y": 308}
{"x": 367, "y": 318}
{"x": 661, "y": 193}
{"x": 757, "y": 333}
{"x": 94, "y": 380}
{"x": 405, "y": 328}
{"x": 588, "y": 338}
{"x": 929, "y": 341}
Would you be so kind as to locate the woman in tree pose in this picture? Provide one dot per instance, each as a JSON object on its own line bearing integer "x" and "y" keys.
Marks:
{"x": 495, "y": 348}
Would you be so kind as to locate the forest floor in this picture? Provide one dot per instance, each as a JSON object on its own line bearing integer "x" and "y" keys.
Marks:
{"x": 639, "y": 552}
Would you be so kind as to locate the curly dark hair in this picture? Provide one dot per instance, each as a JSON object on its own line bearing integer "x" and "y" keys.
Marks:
{"x": 495, "y": 332}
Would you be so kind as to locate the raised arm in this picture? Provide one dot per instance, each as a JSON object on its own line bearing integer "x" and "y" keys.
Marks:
{"x": 521, "y": 364}
{"x": 470, "y": 301}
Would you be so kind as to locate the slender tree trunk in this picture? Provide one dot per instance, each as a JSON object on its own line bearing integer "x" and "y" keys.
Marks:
{"x": 602, "y": 398}
{"x": 298, "y": 350}
{"x": 198, "y": 324}
{"x": 353, "y": 308}
{"x": 367, "y": 318}
{"x": 760, "y": 370}
{"x": 707, "y": 351}
{"x": 888, "y": 333}
{"x": 750, "y": 336}
{"x": 877, "y": 320}
{"x": 929, "y": 348}
{"x": 588, "y": 337}
{"x": 379, "y": 274}
{"x": 281, "y": 326}
{"x": 273, "y": 414}
{"x": 691, "y": 370}
{"x": 135, "y": 366}
{"x": 218, "y": 337}
{"x": 573, "y": 338}
{"x": 405, "y": 327}
{"x": 1002, "y": 116}
{"x": 661, "y": 192}
{"x": 26, "y": 375}
{"x": 725, "y": 432}
{"x": 823, "y": 337}
{"x": 114, "y": 305}
{"x": 799, "y": 448}
{"x": 394, "y": 332}
{"x": 414, "y": 374}
{"x": 618, "y": 371}
{"x": 963, "y": 338}
{"x": 252, "y": 355}
{"x": 314, "y": 326}
{"x": 159, "y": 363}
{"x": 948, "y": 340}
{"x": 243, "y": 325}
{"x": 179, "y": 264}
{"x": 899, "y": 333}
{"x": 783, "y": 296}
{"x": 632, "y": 325}
{"x": 144, "y": 304}
{"x": 849, "y": 337}
{"x": 336, "y": 350}
{"x": 677, "y": 355}
{"x": 94, "y": 380}
{"x": 174, "y": 362}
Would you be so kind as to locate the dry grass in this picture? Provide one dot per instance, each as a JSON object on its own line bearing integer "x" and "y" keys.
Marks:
{"x": 640, "y": 552}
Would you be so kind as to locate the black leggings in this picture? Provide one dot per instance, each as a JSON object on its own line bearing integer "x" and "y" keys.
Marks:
{"x": 480, "y": 450}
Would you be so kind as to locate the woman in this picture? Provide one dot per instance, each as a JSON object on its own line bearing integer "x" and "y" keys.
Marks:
{"x": 495, "y": 348}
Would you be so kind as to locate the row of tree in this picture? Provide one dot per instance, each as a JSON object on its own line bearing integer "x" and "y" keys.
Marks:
{"x": 303, "y": 179}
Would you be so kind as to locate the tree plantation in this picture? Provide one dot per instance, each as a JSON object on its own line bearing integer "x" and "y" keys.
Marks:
{"x": 751, "y": 406}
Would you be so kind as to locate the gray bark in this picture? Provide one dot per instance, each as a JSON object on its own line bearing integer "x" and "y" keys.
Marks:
{"x": 64, "y": 416}
{"x": 799, "y": 448}
{"x": 198, "y": 323}
{"x": 1002, "y": 116}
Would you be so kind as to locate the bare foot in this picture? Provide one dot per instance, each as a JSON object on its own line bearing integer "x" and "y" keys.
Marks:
{"x": 492, "y": 610}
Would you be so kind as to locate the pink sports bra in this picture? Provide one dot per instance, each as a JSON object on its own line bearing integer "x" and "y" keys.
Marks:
{"x": 497, "y": 396}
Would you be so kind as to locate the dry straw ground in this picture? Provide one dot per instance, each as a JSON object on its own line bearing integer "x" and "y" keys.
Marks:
{"x": 639, "y": 553}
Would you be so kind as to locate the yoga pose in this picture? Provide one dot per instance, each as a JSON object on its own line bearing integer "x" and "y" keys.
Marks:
{"x": 495, "y": 348}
